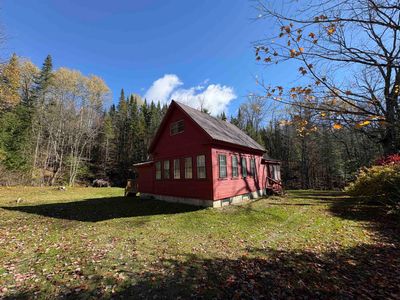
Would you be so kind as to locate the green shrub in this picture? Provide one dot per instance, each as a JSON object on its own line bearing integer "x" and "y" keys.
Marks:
{"x": 378, "y": 183}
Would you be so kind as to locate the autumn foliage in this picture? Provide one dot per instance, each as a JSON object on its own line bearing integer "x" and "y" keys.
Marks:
{"x": 379, "y": 183}
{"x": 389, "y": 160}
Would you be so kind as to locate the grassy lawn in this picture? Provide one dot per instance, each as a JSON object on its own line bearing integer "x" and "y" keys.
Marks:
{"x": 94, "y": 243}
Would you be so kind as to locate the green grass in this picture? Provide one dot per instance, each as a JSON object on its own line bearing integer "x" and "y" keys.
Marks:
{"x": 94, "y": 243}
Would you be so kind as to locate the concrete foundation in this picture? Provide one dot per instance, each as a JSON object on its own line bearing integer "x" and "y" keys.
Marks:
{"x": 209, "y": 203}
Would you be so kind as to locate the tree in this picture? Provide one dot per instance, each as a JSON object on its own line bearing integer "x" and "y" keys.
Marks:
{"x": 349, "y": 50}
{"x": 9, "y": 84}
{"x": 29, "y": 73}
{"x": 37, "y": 103}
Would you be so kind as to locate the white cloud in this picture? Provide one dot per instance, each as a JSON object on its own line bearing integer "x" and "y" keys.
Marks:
{"x": 214, "y": 97}
{"x": 162, "y": 88}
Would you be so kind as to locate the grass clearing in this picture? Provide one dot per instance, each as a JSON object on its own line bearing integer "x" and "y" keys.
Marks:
{"x": 95, "y": 243}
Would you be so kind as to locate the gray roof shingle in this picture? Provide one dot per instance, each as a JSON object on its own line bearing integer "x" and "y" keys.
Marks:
{"x": 220, "y": 130}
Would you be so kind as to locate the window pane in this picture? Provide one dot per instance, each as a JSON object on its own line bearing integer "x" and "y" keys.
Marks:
{"x": 244, "y": 167}
{"x": 222, "y": 166}
{"x": 234, "y": 166}
{"x": 252, "y": 167}
{"x": 158, "y": 170}
{"x": 201, "y": 166}
{"x": 166, "y": 169}
{"x": 188, "y": 168}
{"x": 177, "y": 127}
{"x": 177, "y": 169}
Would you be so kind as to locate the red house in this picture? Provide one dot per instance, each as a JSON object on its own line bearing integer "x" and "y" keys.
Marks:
{"x": 198, "y": 159}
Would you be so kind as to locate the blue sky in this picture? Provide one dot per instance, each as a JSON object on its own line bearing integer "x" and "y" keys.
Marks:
{"x": 204, "y": 47}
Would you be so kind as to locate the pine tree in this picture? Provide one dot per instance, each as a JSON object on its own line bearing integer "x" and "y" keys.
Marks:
{"x": 44, "y": 79}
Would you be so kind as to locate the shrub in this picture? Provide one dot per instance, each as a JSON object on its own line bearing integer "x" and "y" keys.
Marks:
{"x": 393, "y": 159}
{"x": 378, "y": 183}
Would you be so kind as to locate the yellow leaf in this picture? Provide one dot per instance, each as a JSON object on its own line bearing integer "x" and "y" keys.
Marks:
{"x": 364, "y": 123}
{"x": 337, "y": 126}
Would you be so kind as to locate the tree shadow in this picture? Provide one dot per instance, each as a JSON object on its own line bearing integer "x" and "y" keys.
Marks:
{"x": 376, "y": 215}
{"x": 101, "y": 209}
{"x": 361, "y": 272}
{"x": 355, "y": 208}
{"x": 367, "y": 271}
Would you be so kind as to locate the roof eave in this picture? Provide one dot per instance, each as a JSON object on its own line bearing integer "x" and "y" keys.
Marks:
{"x": 251, "y": 149}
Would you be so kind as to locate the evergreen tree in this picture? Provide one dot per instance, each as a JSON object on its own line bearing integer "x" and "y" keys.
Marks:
{"x": 44, "y": 79}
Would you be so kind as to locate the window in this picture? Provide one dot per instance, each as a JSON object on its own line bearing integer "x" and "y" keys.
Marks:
{"x": 166, "y": 169}
{"x": 158, "y": 170}
{"x": 275, "y": 171}
{"x": 188, "y": 168}
{"x": 201, "y": 166}
{"x": 177, "y": 169}
{"x": 235, "y": 172}
{"x": 252, "y": 167}
{"x": 177, "y": 127}
{"x": 244, "y": 167}
{"x": 222, "y": 166}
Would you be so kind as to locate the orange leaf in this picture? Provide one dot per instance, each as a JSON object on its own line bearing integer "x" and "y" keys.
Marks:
{"x": 337, "y": 126}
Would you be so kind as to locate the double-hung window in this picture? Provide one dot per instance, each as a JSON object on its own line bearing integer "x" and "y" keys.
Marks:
{"x": 244, "y": 167}
{"x": 177, "y": 169}
{"x": 222, "y": 166}
{"x": 235, "y": 171}
{"x": 158, "y": 170}
{"x": 166, "y": 169}
{"x": 201, "y": 166}
{"x": 252, "y": 167}
{"x": 188, "y": 168}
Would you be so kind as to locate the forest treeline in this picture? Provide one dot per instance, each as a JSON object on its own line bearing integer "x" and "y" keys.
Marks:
{"x": 57, "y": 127}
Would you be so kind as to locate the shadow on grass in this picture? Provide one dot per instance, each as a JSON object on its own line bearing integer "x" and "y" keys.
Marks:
{"x": 353, "y": 208}
{"x": 388, "y": 226}
{"x": 100, "y": 209}
{"x": 362, "y": 272}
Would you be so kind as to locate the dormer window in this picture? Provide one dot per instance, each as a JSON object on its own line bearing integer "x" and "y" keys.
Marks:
{"x": 177, "y": 127}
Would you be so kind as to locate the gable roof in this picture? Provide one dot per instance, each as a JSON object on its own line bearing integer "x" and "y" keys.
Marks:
{"x": 216, "y": 129}
{"x": 220, "y": 130}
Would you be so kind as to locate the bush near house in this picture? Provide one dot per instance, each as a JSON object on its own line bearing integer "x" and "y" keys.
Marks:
{"x": 380, "y": 182}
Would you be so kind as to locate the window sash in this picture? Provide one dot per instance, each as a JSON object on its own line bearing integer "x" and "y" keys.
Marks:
{"x": 188, "y": 168}
{"x": 275, "y": 172}
{"x": 222, "y": 166}
{"x": 201, "y": 166}
{"x": 177, "y": 127}
{"x": 252, "y": 167}
{"x": 166, "y": 169}
{"x": 177, "y": 169}
{"x": 244, "y": 167}
{"x": 235, "y": 172}
{"x": 158, "y": 170}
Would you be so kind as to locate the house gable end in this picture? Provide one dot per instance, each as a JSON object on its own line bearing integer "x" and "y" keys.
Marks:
{"x": 192, "y": 130}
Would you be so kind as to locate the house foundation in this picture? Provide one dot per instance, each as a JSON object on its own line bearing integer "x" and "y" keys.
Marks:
{"x": 209, "y": 203}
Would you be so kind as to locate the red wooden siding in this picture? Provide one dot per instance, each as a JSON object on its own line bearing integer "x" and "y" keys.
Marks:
{"x": 189, "y": 143}
{"x": 146, "y": 178}
{"x": 230, "y": 186}
{"x": 192, "y": 142}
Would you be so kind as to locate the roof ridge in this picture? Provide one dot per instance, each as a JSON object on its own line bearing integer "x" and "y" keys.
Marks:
{"x": 220, "y": 130}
